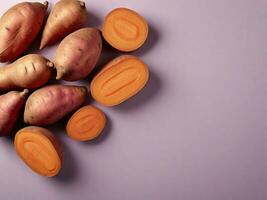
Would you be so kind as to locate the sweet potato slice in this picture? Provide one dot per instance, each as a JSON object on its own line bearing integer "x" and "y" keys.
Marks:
{"x": 39, "y": 149}
{"x": 119, "y": 80}
{"x": 86, "y": 123}
{"x": 125, "y": 29}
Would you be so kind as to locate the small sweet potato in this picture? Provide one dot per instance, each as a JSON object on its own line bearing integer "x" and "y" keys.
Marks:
{"x": 19, "y": 26}
{"x": 78, "y": 54}
{"x": 30, "y": 71}
{"x": 86, "y": 123}
{"x": 10, "y": 105}
{"x": 39, "y": 149}
{"x": 49, "y": 104}
{"x": 66, "y": 17}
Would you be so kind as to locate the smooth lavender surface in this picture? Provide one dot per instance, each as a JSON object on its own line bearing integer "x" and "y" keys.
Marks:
{"x": 197, "y": 132}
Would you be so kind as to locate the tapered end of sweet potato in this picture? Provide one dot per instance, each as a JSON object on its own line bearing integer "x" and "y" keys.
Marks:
{"x": 49, "y": 64}
{"x": 42, "y": 45}
{"x": 46, "y": 4}
{"x": 82, "y": 3}
{"x": 24, "y": 93}
{"x": 44, "y": 42}
{"x": 60, "y": 74}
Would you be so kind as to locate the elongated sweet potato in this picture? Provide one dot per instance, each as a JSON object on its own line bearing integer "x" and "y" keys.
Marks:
{"x": 78, "y": 54}
{"x": 49, "y": 104}
{"x": 30, "y": 71}
{"x": 66, "y": 17}
{"x": 86, "y": 123}
{"x": 19, "y": 26}
{"x": 119, "y": 80}
{"x": 125, "y": 29}
{"x": 10, "y": 105}
{"x": 39, "y": 149}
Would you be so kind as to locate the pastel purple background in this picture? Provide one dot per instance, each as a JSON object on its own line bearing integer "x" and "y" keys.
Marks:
{"x": 198, "y": 131}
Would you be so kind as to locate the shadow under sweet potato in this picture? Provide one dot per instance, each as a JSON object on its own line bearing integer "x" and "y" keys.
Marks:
{"x": 153, "y": 87}
{"x": 69, "y": 170}
{"x": 103, "y": 136}
{"x": 92, "y": 20}
{"x": 152, "y": 40}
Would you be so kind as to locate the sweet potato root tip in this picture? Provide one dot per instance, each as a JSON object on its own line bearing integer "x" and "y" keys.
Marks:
{"x": 125, "y": 29}
{"x": 86, "y": 124}
{"x": 24, "y": 93}
{"x": 42, "y": 45}
{"x": 59, "y": 74}
{"x": 46, "y": 3}
{"x": 82, "y": 3}
{"x": 119, "y": 80}
{"x": 39, "y": 149}
{"x": 50, "y": 64}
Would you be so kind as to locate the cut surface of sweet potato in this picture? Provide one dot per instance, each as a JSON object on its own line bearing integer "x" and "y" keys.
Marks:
{"x": 119, "y": 80}
{"x": 39, "y": 149}
{"x": 125, "y": 29}
{"x": 86, "y": 124}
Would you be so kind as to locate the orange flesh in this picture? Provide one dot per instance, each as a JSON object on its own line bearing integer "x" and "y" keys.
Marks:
{"x": 37, "y": 150}
{"x": 86, "y": 124}
{"x": 119, "y": 80}
{"x": 125, "y": 30}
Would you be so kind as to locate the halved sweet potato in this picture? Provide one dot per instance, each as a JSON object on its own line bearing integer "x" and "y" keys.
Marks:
{"x": 125, "y": 29}
{"x": 119, "y": 80}
{"x": 39, "y": 149}
{"x": 86, "y": 124}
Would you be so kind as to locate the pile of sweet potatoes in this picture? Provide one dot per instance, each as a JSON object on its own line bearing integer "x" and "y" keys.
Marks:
{"x": 76, "y": 57}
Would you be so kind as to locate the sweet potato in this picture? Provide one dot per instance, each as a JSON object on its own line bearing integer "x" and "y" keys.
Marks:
{"x": 86, "y": 123}
{"x": 31, "y": 71}
{"x": 125, "y": 29}
{"x": 49, "y": 104}
{"x": 78, "y": 54}
{"x": 19, "y": 26}
{"x": 66, "y": 17}
{"x": 119, "y": 80}
{"x": 10, "y": 105}
{"x": 39, "y": 149}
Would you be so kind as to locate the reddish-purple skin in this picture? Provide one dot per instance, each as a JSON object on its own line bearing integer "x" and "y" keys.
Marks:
{"x": 19, "y": 26}
{"x": 51, "y": 103}
{"x": 10, "y": 105}
{"x": 77, "y": 54}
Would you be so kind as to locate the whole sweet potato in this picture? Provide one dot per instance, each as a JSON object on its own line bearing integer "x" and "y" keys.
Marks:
{"x": 66, "y": 17}
{"x": 78, "y": 54}
{"x": 49, "y": 104}
{"x": 19, "y": 26}
{"x": 10, "y": 105}
{"x": 30, "y": 71}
